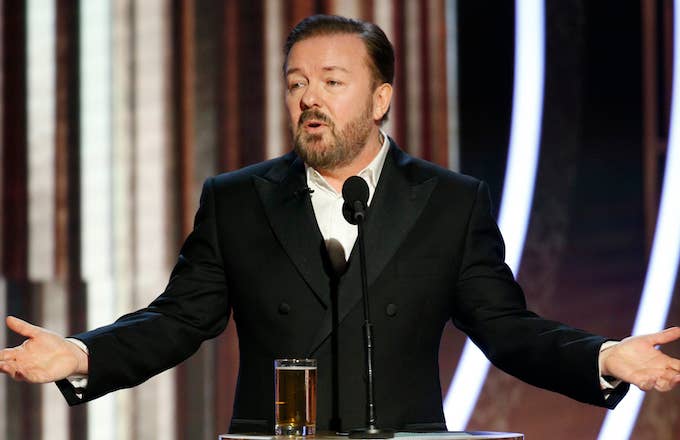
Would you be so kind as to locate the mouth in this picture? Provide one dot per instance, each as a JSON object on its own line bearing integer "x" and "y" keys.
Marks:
{"x": 312, "y": 120}
{"x": 313, "y": 125}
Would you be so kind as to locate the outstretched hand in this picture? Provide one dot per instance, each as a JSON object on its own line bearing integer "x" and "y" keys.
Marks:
{"x": 638, "y": 361}
{"x": 43, "y": 357}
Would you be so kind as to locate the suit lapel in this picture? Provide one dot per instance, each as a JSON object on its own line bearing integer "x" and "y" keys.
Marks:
{"x": 398, "y": 202}
{"x": 291, "y": 216}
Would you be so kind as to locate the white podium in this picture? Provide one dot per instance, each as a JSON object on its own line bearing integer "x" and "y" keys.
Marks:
{"x": 450, "y": 435}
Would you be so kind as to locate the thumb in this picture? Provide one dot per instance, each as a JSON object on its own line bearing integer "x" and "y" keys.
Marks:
{"x": 22, "y": 327}
{"x": 666, "y": 336}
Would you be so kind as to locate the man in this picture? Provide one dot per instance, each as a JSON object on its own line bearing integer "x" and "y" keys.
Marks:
{"x": 270, "y": 245}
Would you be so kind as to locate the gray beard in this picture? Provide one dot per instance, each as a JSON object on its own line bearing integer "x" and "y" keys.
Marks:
{"x": 343, "y": 147}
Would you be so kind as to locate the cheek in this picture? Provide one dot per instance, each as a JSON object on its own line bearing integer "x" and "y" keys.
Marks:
{"x": 293, "y": 114}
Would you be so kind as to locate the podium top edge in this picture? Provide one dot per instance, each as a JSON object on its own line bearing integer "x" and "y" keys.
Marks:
{"x": 450, "y": 435}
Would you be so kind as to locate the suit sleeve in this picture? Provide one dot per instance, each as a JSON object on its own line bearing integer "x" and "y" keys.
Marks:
{"x": 490, "y": 307}
{"x": 194, "y": 307}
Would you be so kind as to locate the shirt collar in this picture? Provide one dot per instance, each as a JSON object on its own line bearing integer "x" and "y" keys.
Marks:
{"x": 371, "y": 174}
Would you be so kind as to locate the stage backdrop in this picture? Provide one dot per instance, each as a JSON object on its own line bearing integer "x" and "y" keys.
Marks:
{"x": 113, "y": 112}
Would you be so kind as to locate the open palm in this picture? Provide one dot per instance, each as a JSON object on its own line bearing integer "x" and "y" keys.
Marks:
{"x": 637, "y": 360}
{"x": 43, "y": 357}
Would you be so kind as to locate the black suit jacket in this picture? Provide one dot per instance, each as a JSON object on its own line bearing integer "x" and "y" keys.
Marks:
{"x": 434, "y": 253}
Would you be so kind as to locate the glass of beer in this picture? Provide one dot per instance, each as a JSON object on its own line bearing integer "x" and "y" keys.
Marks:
{"x": 295, "y": 396}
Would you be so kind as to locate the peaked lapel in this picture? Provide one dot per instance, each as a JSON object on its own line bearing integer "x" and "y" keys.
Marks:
{"x": 397, "y": 203}
{"x": 291, "y": 216}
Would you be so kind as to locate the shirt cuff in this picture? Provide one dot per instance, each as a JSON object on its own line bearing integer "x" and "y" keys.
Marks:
{"x": 78, "y": 381}
{"x": 607, "y": 383}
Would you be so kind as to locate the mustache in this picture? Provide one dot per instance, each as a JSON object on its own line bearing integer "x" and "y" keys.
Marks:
{"x": 315, "y": 115}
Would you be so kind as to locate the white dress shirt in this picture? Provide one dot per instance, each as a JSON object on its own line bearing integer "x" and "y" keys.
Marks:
{"x": 338, "y": 234}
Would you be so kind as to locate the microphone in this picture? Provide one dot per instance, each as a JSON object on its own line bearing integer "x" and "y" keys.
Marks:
{"x": 303, "y": 192}
{"x": 355, "y": 194}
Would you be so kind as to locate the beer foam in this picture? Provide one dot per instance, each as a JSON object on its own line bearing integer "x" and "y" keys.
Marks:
{"x": 296, "y": 367}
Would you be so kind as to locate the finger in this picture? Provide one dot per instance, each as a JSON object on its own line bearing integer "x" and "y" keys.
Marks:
{"x": 675, "y": 381}
{"x": 8, "y": 354}
{"x": 10, "y": 370}
{"x": 646, "y": 380}
{"x": 662, "y": 384}
{"x": 665, "y": 362}
{"x": 669, "y": 335}
{"x": 646, "y": 385}
{"x": 22, "y": 327}
{"x": 674, "y": 364}
{"x": 667, "y": 384}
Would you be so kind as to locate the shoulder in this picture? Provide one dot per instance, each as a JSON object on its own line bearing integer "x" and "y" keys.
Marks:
{"x": 418, "y": 170}
{"x": 450, "y": 189}
{"x": 266, "y": 169}
{"x": 241, "y": 180}
{"x": 237, "y": 188}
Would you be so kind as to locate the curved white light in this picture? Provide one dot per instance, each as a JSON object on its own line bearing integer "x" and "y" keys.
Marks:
{"x": 663, "y": 262}
{"x": 518, "y": 188}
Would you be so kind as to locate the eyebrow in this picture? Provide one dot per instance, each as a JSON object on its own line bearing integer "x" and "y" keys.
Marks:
{"x": 332, "y": 68}
{"x": 325, "y": 69}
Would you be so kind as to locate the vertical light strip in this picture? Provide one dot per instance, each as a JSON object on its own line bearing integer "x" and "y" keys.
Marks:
{"x": 96, "y": 177}
{"x": 122, "y": 128}
{"x": 657, "y": 291}
{"x": 346, "y": 8}
{"x": 96, "y": 151}
{"x": 437, "y": 124}
{"x": 383, "y": 11}
{"x": 414, "y": 91}
{"x": 121, "y": 182}
{"x": 41, "y": 45}
{"x": 452, "y": 83}
{"x": 156, "y": 397}
{"x": 525, "y": 130}
{"x": 275, "y": 141}
{"x": 41, "y": 48}
{"x": 54, "y": 414}
{"x": 383, "y": 16}
{"x": 520, "y": 173}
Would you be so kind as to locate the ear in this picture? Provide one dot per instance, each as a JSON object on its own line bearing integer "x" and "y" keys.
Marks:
{"x": 382, "y": 97}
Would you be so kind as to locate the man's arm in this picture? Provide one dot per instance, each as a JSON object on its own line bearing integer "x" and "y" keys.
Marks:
{"x": 193, "y": 308}
{"x": 490, "y": 307}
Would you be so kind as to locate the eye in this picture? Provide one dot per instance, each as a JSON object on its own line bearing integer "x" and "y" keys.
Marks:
{"x": 294, "y": 85}
{"x": 333, "y": 82}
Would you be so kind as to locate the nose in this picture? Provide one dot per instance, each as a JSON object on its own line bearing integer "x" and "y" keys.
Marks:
{"x": 310, "y": 98}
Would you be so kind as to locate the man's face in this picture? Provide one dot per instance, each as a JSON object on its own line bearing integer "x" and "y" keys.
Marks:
{"x": 329, "y": 99}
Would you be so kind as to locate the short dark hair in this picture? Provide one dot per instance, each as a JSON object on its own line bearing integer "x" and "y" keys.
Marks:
{"x": 379, "y": 48}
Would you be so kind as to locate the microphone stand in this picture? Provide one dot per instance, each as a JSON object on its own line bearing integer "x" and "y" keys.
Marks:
{"x": 371, "y": 431}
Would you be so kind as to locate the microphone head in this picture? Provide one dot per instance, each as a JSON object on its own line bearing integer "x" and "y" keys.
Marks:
{"x": 355, "y": 189}
{"x": 355, "y": 193}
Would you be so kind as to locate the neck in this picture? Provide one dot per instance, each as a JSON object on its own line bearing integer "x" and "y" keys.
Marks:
{"x": 336, "y": 176}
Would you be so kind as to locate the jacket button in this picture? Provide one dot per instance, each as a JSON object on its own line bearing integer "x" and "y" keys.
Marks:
{"x": 391, "y": 309}
{"x": 284, "y": 308}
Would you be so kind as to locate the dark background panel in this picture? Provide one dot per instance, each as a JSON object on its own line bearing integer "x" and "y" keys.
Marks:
{"x": 585, "y": 256}
{"x": 485, "y": 66}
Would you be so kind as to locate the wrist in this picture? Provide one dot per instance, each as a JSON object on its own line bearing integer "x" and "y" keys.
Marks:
{"x": 605, "y": 351}
{"x": 81, "y": 354}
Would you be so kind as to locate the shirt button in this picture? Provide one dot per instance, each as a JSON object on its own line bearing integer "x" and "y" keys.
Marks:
{"x": 391, "y": 310}
{"x": 284, "y": 308}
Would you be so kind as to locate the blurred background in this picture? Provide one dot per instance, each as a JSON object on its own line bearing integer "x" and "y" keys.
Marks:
{"x": 113, "y": 112}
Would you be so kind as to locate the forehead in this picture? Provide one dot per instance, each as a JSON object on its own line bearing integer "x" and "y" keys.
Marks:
{"x": 345, "y": 51}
